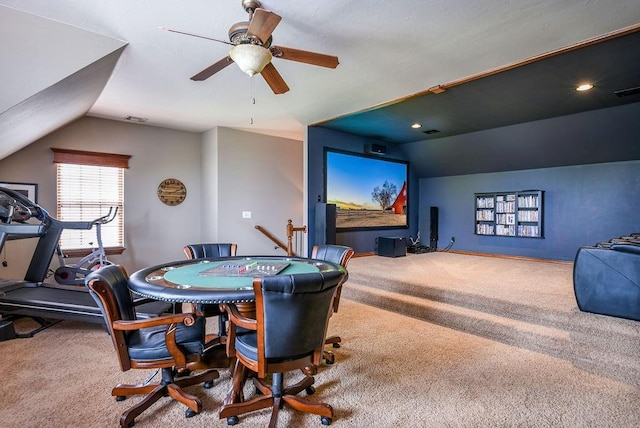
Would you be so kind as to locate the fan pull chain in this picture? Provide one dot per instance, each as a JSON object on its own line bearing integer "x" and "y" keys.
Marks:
{"x": 253, "y": 100}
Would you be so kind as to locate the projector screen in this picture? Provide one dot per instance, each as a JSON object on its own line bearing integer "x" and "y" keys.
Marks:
{"x": 369, "y": 192}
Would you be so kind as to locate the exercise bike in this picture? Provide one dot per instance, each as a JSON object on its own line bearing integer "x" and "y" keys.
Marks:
{"x": 75, "y": 274}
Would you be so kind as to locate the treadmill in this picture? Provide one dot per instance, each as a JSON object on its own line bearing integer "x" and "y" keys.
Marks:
{"x": 20, "y": 218}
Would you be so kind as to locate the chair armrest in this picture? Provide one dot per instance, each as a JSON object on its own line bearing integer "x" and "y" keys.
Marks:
{"x": 238, "y": 319}
{"x": 170, "y": 321}
{"x": 186, "y": 318}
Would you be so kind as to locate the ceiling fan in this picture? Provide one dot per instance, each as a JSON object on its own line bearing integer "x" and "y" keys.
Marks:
{"x": 252, "y": 49}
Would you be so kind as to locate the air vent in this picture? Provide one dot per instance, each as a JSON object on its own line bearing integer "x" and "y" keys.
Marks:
{"x": 431, "y": 131}
{"x": 627, "y": 92}
{"x": 136, "y": 119}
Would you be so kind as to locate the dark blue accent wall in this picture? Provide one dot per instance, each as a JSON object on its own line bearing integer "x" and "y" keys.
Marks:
{"x": 360, "y": 241}
{"x": 583, "y": 205}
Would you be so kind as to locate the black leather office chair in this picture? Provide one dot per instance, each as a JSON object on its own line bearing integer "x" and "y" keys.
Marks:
{"x": 168, "y": 342}
{"x": 215, "y": 250}
{"x": 341, "y": 255}
{"x": 292, "y": 312}
{"x": 199, "y": 251}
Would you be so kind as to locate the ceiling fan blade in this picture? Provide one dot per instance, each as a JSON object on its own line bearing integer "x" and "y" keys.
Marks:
{"x": 196, "y": 35}
{"x": 274, "y": 79}
{"x": 307, "y": 57}
{"x": 212, "y": 69}
{"x": 262, "y": 24}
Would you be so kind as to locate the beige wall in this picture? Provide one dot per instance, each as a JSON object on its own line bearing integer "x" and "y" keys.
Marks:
{"x": 263, "y": 175}
{"x": 225, "y": 171}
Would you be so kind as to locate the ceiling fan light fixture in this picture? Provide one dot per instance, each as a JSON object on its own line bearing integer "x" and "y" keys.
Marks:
{"x": 250, "y": 58}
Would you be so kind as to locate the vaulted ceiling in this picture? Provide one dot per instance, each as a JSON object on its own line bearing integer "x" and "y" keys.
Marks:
{"x": 64, "y": 59}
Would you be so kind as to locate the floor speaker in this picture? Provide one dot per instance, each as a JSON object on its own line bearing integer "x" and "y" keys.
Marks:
{"x": 433, "y": 228}
{"x": 325, "y": 224}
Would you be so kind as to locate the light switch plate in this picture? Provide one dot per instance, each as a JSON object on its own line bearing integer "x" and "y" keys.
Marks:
{"x": 246, "y": 214}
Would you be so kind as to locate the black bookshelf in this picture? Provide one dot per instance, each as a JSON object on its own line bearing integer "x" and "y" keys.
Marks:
{"x": 511, "y": 214}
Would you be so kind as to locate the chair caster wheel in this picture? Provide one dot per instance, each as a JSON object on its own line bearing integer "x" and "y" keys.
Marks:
{"x": 189, "y": 413}
{"x": 310, "y": 390}
{"x": 121, "y": 397}
{"x": 325, "y": 420}
{"x": 232, "y": 420}
{"x": 208, "y": 384}
{"x": 335, "y": 345}
{"x": 330, "y": 359}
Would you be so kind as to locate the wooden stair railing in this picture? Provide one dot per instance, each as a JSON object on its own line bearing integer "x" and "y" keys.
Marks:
{"x": 266, "y": 233}
{"x": 297, "y": 233}
{"x": 294, "y": 238}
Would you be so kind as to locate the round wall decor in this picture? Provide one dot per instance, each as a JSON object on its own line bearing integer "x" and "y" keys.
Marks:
{"x": 172, "y": 191}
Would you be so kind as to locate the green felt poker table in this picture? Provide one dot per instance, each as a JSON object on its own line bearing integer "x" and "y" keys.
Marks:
{"x": 225, "y": 280}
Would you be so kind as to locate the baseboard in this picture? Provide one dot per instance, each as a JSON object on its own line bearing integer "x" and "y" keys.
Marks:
{"x": 473, "y": 253}
{"x": 506, "y": 256}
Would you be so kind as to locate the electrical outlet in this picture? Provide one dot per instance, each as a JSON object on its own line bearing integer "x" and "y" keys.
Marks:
{"x": 246, "y": 214}
{"x": 453, "y": 239}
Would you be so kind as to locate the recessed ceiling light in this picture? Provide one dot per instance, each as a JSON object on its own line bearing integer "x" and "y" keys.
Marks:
{"x": 416, "y": 126}
{"x": 584, "y": 87}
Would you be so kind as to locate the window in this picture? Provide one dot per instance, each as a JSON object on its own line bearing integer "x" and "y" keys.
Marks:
{"x": 89, "y": 185}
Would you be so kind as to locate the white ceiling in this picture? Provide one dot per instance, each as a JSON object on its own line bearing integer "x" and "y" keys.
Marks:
{"x": 387, "y": 50}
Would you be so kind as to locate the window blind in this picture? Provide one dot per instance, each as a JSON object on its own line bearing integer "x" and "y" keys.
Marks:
{"x": 86, "y": 192}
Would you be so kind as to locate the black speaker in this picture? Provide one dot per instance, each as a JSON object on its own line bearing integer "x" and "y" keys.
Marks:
{"x": 325, "y": 224}
{"x": 392, "y": 247}
{"x": 433, "y": 228}
{"x": 375, "y": 149}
